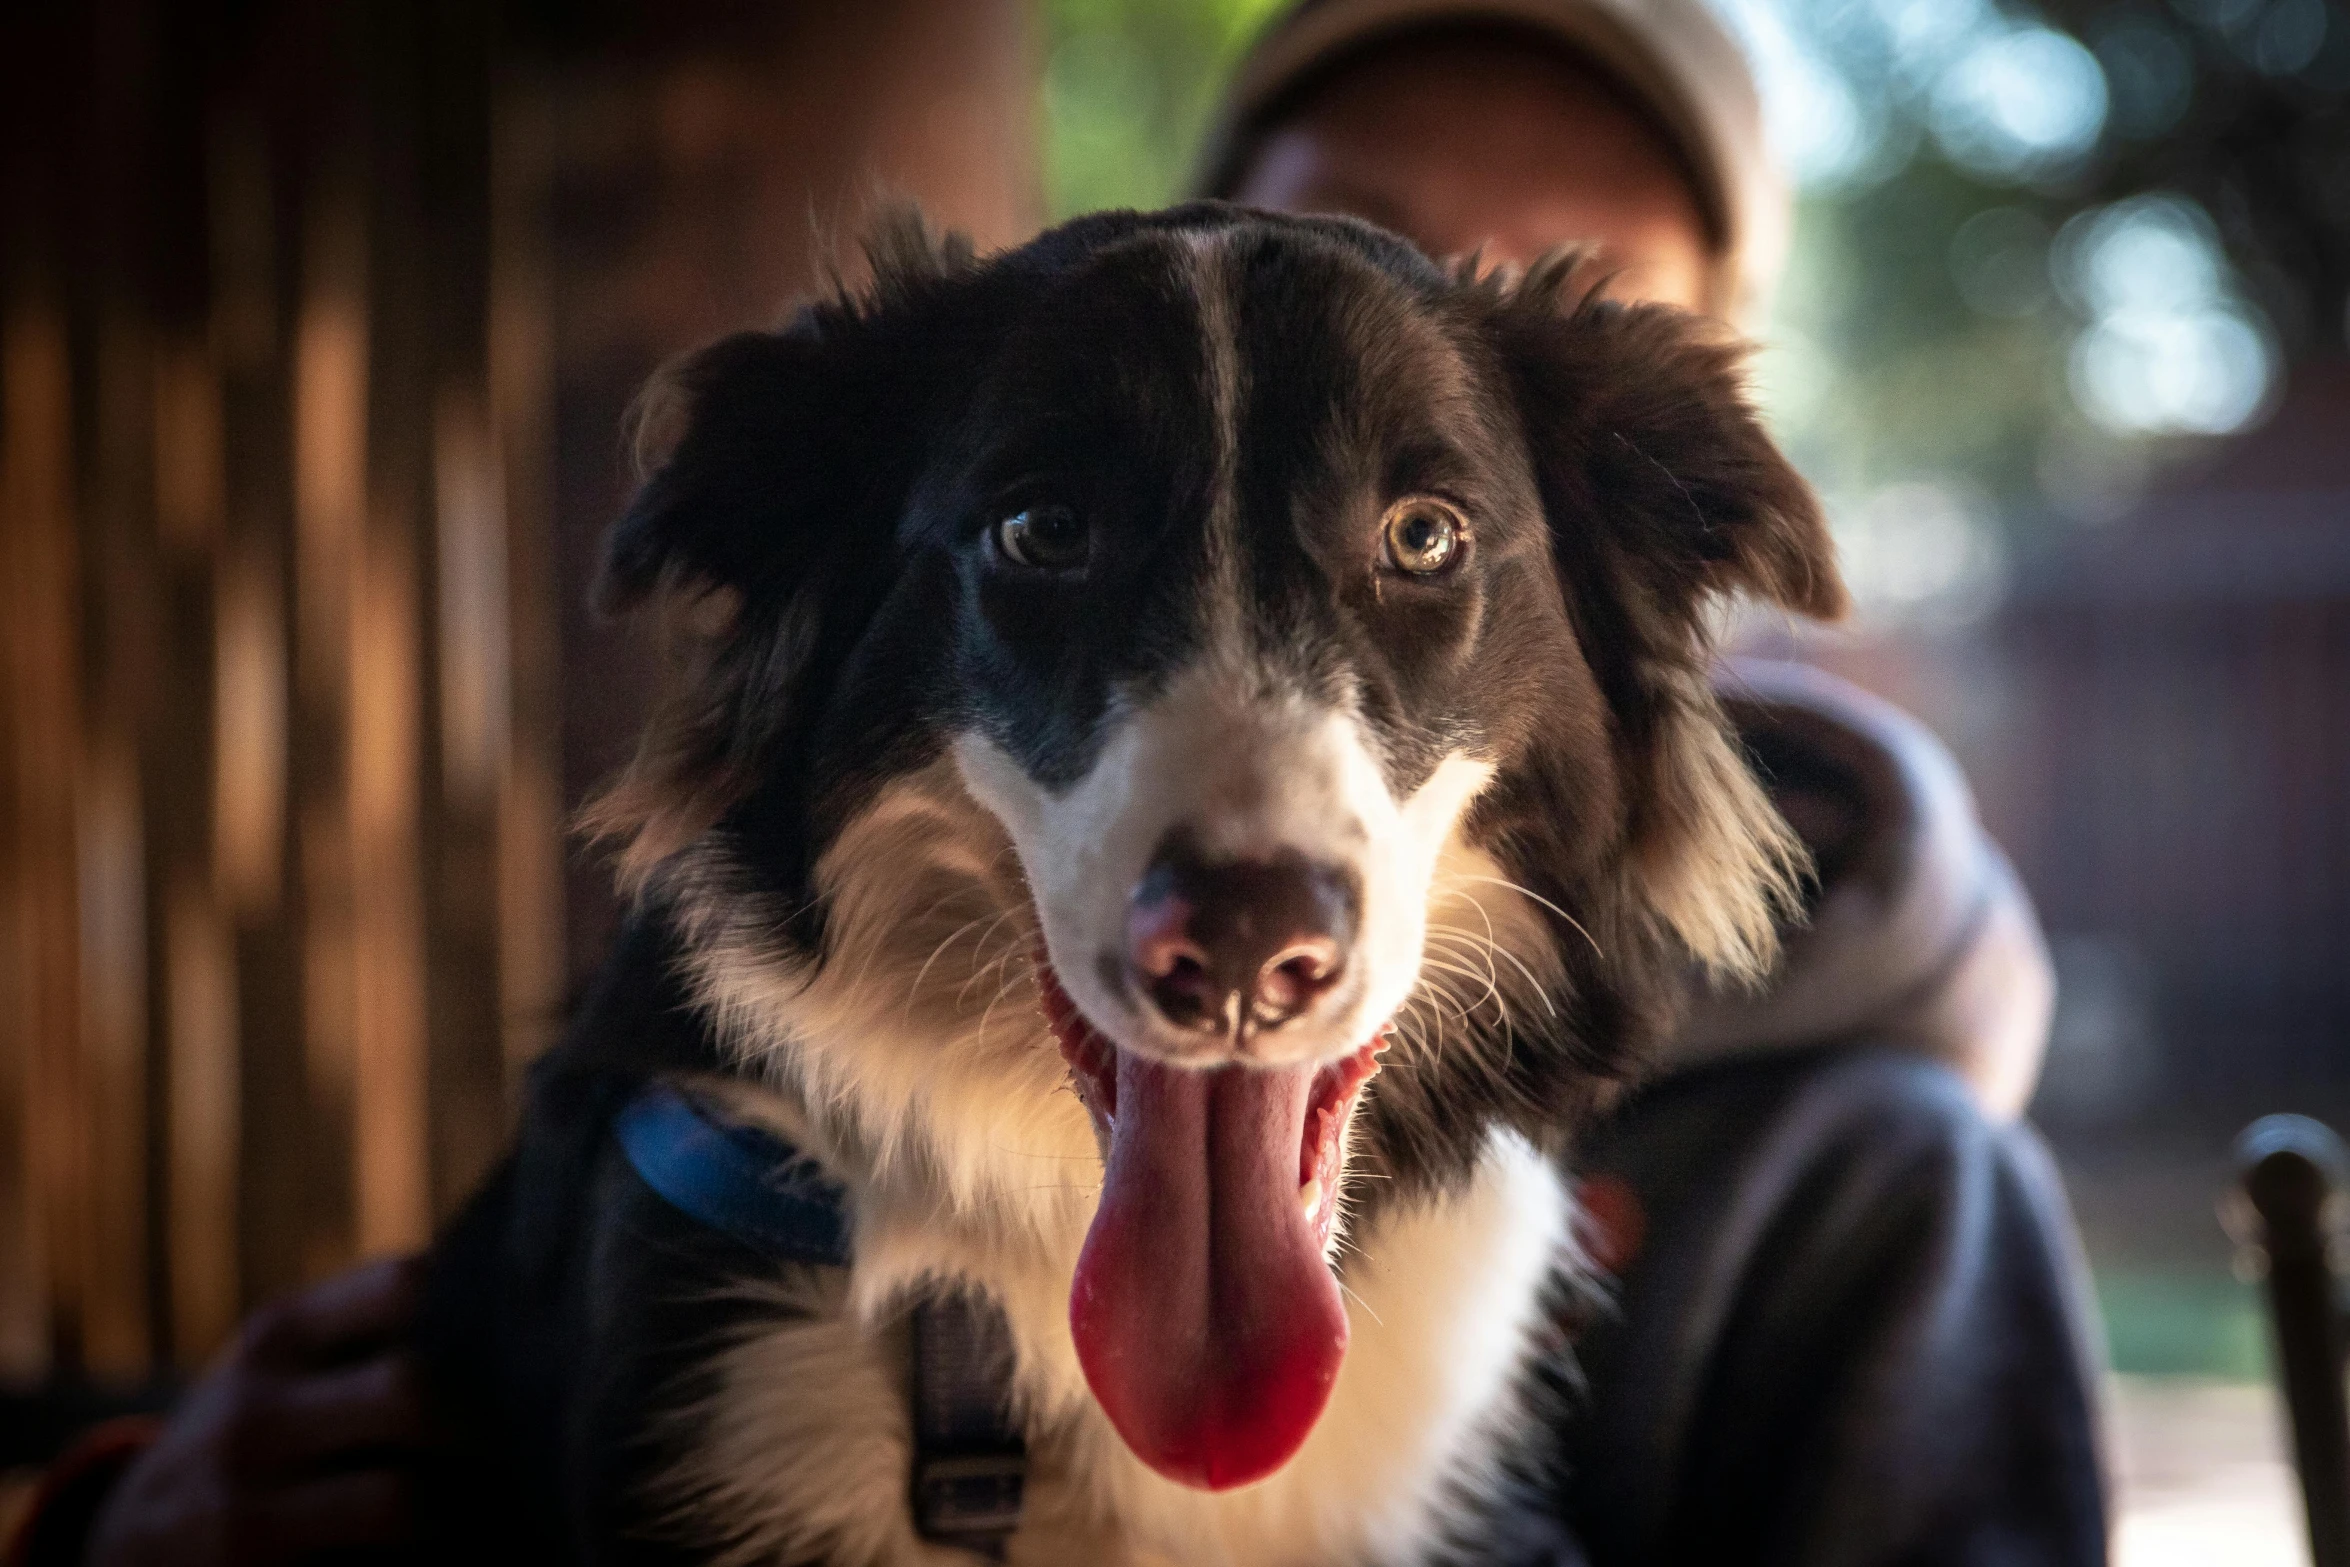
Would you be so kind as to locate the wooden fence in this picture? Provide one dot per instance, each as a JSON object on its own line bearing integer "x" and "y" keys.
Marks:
{"x": 315, "y": 323}
{"x": 280, "y": 842}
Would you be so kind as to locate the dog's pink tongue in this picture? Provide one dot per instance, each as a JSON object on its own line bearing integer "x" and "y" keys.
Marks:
{"x": 1208, "y": 1324}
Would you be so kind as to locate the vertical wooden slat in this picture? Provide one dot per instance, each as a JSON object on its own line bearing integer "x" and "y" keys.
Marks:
{"x": 128, "y": 653}
{"x": 468, "y": 960}
{"x": 255, "y": 295}
{"x": 249, "y": 729}
{"x": 530, "y": 829}
{"x": 465, "y": 673}
{"x": 395, "y": 818}
{"x": 23, "y": 1294}
{"x": 108, "y": 1202}
{"x": 189, "y": 493}
{"x": 475, "y": 689}
{"x": 202, "y": 1070}
{"x": 41, "y": 1152}
{"x": 330, "y": 503}
{"x": 200, "y": 1058}
{"x": 388, "y": 1145}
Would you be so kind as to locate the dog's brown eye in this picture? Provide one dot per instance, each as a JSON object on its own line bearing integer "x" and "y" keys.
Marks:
{"x": 1424, "y": 535}
{"x": 1044, "y": 538}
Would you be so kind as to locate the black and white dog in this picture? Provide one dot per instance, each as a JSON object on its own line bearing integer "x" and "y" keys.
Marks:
{"x": 1190, "y": 769}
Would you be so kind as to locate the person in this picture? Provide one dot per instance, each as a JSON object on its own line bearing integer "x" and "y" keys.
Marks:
{"x": 1848, "y": 1322}
{"x": 303, "y": 1437}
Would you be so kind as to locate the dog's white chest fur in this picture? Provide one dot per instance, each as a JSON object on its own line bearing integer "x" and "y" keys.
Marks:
{"x": 807, "y": 1443}
{"x": 915, "y": 1065}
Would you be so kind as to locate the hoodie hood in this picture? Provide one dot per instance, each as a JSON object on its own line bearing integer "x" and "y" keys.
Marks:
{"x": 1919, "y": 934}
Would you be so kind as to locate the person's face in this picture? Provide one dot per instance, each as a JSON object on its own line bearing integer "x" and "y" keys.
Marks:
{"x": 1458, "y": 143}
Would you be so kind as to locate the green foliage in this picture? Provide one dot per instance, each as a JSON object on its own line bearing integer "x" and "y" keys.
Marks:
{"x": 1128, "y": 88}
{"x": 2183, "y": 1324}
{"x": 1877, "y": 369}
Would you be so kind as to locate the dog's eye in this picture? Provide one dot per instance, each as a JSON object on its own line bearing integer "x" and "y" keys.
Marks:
{"x": 1044, "y": 538}
{"x": 1424, "y": 535}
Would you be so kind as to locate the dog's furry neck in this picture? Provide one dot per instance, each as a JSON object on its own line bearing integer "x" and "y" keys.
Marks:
{"x": 912, "y": 1060}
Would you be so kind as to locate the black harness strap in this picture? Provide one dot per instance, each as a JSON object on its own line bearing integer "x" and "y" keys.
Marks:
{"x": 970, "y": 1463}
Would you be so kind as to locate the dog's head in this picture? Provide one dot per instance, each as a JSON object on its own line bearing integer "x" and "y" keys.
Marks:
{"x": 1326, "y": 633}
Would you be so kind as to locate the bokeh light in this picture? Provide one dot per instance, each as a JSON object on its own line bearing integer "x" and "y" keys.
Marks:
{"x": 2020, "y": 103}
{"x": 2172, "y": 348}
{"x": 1921, "y": 552}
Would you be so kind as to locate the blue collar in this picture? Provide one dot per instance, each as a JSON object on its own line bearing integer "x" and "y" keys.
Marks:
{"x": 970, "y": 1463}
{"x": 740, "y": 1180}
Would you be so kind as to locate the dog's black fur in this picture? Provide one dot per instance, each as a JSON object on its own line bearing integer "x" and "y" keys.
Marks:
{"x": 815, "y": 533}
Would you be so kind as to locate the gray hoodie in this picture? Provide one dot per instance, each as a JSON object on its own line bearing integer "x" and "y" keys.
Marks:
{"x": 1848, "y": 1325}
{"x": 1920, "y": 936}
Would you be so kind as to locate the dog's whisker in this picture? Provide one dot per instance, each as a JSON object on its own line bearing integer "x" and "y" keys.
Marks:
{"x": 1528, "y": 892}
{"x": 1488, "y": 951}
{"x": 1007, "y": 988}
{"x": 1436, "y": 987}
{"x": 1435, "y": 1021}
{"x": 1413, "y": 1026}
{"x": 877, "y": 949}
{"x": 1540, "y": 990}
{"x": 995, "y": 965}
{"x": 1458, "y": 942}
{"x": 1352, "y": 1295}
{"x": 1010, "y": 912}
{"x": 1468, "y": 944}
{"x": 980, "y": 976}
{"x": 979, "y": 942}
{"x": 1493, "y": 945}
{"x": 1492, "y": 993}
{"x": 914, "y": 986}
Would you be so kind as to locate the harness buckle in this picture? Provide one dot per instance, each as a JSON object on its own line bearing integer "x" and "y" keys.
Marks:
{"x": 970, "y": 1499}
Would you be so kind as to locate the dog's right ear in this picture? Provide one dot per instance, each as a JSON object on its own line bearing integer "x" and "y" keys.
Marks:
{"x": 738, "y": 464}
{"x": 764, "y": 446}
{"x": 722, "y": 558}
{"x": 762, "y": 538}
{"x": 681, "y": 525}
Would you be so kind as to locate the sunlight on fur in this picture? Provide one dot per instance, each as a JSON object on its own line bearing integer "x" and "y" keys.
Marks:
{"x": 1718, "y": 864}
{"x": 916, "y": 1044}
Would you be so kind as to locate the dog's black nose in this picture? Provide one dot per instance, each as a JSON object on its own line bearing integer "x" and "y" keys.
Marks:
{"x": 1235, "y": 946}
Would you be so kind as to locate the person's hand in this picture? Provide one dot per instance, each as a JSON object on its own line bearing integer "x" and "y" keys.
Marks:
{"x": 298, "y": 1440}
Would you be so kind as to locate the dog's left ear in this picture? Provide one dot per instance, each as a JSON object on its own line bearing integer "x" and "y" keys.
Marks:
{"x": 1664, "y": 494}
{"x": 1651, "y": 458}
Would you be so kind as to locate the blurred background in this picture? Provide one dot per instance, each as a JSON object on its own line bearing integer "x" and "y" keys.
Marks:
{"x": 318, "y": 322}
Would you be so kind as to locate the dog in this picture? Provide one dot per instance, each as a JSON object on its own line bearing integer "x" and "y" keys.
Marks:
{"x": 1189, "y": 770}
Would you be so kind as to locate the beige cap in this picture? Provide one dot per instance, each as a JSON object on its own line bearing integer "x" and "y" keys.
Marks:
{"x": 1673, "y": 56}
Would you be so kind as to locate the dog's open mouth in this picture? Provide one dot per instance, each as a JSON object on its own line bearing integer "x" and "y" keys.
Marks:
{"x": 1208, "y": 1322}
